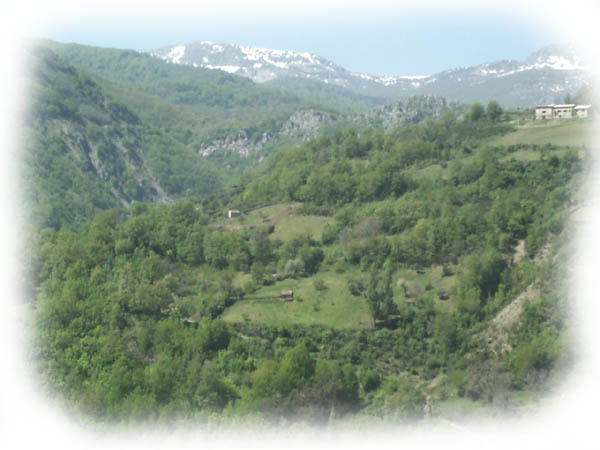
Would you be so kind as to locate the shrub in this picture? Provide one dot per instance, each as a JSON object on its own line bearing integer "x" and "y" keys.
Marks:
{"x": 371, "y": 381}
{"x": 356, "y": 286}
{"x": 319, "y": 284}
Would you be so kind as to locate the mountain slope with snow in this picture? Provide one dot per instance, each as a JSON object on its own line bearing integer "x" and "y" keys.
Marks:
{"x": 545, "y": 76}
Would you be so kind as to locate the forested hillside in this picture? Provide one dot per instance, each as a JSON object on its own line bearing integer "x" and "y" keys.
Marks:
{"x": 105, "y": 127}
{"x": 85, "y": 151}
{"x": 424, "y": 265}
{"x": 205, "y": 109}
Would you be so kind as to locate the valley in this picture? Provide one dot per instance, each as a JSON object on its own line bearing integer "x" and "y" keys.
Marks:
{"x": 400, "y": 261}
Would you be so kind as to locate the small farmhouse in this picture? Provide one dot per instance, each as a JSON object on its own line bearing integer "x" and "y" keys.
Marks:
{"x": 233, "y": 213}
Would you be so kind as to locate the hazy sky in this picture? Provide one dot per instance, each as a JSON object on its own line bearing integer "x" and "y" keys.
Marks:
{"x": 404, "y": 40}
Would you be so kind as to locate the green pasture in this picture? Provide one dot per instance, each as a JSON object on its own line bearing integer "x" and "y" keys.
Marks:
{"x": 283, "y": 216}
{"x": 297, "y": 224}
{"x": 566, "y": 132}
{"x": 334, "y": 306}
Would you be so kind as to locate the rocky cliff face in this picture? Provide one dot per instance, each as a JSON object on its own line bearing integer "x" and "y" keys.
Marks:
{"x": 306, "y": 124}
{"x": 301, "y": 125}
{"x": 412, "y": 110}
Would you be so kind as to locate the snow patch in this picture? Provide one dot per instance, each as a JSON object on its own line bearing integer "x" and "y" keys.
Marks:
{"x": 280, "y": 64}
{"x": 176, "y": 54}
{"x": 562, "y": 63}
{"x": 388, "y": 81}
{"x": 392, "y": 80}
{"x": 414, "y": 77}
{"x": 551, "y": 62}
{"x": 488, "y": 72}
{"x": 278, "y": 58}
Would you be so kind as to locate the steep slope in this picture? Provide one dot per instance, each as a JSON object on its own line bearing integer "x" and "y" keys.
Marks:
{"x": 206, "y": 109}
{"x": 213, "y": 97}
{"x": 225, "y": 117}
{"x": 170, "y": 318}
{"x": 85, "y": 151}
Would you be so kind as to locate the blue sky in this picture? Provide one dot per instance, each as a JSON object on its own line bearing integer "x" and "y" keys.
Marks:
{"x": 400, "y": 42}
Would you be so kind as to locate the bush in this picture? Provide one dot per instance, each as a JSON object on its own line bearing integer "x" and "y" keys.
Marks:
{"x": 356, "y": 286}
{"x": 371, "y": 381}
{"x": 248, "y": 286}
{"x": 319, "y": 284}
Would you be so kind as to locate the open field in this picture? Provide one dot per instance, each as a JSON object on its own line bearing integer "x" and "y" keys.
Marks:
{"x": 296, "y": 224}
{"x": 283, "y": 216}
{"x": 571, "y": 132}
{"x": 334, "y": 306}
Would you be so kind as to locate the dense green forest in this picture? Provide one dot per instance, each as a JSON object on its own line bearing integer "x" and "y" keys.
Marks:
{"x": 401, "y": 249}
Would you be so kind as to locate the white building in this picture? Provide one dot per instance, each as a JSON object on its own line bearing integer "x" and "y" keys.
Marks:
{"x": 544, "y": 112}
{"x": 582, "y": 110}
{"x": 563, "y": 111}
{"x": 566, "y": 111}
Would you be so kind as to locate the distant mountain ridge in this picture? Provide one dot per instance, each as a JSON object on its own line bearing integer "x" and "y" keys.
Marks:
{"x": 545, "y": 76}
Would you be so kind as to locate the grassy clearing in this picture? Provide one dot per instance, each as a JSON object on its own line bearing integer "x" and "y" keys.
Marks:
{"x": 334, "y": 306}
{"x": 268, "y": 214}
{"x": 283, "y": 216}
{"x": 255, "y": 218}
{"x": 411, "y": 284}
{"x": 296, "y": 224}
{"x": 566, "y": 132}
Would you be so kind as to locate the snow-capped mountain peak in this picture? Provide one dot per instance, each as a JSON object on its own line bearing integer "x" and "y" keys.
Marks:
{"x": 265, "y": 64}
{"x": 551, "y": 72}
